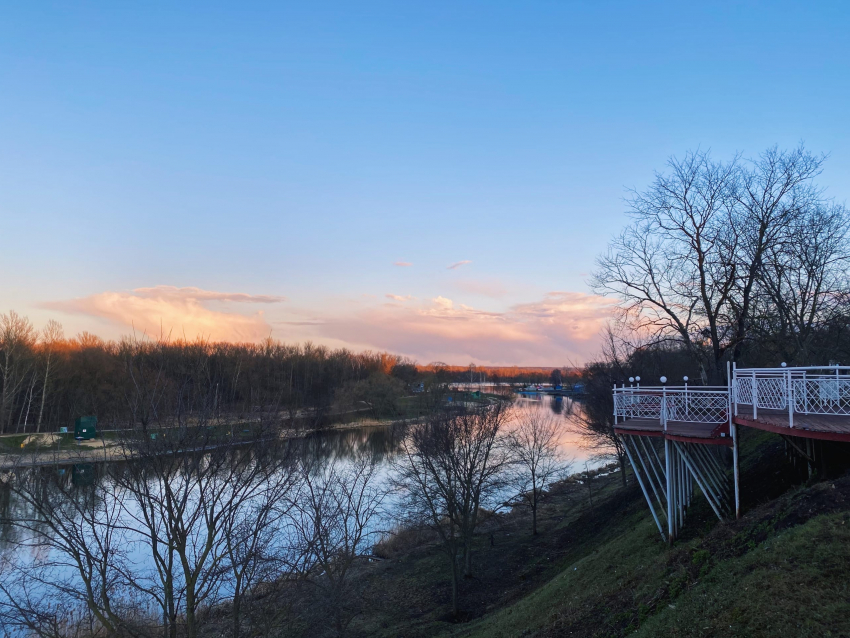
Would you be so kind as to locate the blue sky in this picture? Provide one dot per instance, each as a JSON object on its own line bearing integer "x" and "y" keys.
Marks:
{"x": 157, "y": 160}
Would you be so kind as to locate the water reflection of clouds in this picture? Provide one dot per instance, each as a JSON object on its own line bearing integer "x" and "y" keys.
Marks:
{"x": 566, "y": 410}
{"x": 380, "y": 443}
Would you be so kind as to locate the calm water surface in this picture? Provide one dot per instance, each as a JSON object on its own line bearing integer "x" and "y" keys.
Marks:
{"x": 382, "y": 444}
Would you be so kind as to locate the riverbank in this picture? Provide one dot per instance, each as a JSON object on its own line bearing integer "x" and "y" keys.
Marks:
{"x": 36, "y": 450}
{"x": 599, "y": 569}
{"x": 63, "y": 449}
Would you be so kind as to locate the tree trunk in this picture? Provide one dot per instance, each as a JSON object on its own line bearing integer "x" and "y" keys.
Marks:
{"x": 43, "y": 394}
{"x": 237, "y": 609}
{"x": 454, "y": 586}
{"x": 7, "y": 391}
{"x": 622, "y": 462}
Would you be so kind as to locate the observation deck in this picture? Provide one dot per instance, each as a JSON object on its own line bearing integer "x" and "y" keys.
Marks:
{"x": 696, "y": 424}
{"x": 687, "y": 414}
{"x": 693, "y": 426}
{"x": 809, "y": 402}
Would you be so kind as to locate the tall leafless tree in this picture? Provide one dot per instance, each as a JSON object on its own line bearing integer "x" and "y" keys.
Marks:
{"x": 450, "y": 466}
{"x": 17, "y": 338}
{"x": 333, "y": 518}
{"x": 51, "y": 337}
{"x": 77, "y": 553}
{"x": 536, "y": 460}
{"x": 690, "y": 266}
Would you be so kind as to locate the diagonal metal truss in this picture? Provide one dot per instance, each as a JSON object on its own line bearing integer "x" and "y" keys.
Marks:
{"x": 667, "y": 475}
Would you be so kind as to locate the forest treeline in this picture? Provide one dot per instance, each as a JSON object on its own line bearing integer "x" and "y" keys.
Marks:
{"x": 48, "y": 380}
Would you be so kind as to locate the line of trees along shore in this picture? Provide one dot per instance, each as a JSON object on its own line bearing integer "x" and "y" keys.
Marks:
{"x": 48, "y": 380}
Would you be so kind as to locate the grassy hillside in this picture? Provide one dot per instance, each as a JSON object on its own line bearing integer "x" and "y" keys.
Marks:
{"x": 600, "y": 569}
{"x": 776, "y": 573}
{"x": 782, "y": 570}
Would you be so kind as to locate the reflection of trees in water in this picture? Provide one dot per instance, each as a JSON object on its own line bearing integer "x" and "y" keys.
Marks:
{"x": 557, "y": 405}
{"x": 77, "y": 482}
{"x": 376, "y": 443}
{"x": 7, "y": 530}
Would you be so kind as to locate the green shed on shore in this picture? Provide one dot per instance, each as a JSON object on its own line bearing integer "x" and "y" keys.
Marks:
{"x": 85, "y": 428}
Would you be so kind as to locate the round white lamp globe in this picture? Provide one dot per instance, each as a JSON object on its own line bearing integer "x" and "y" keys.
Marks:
{"x": 663, "y": 379}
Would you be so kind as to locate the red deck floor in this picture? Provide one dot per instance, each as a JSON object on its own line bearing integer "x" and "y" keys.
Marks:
{"x": 686, "y": 431}
{"x": 811, "y": 426}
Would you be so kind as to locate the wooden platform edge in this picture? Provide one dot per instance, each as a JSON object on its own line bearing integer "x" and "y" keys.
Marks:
{"x": 788, "y": 431}
{"x": 703, "y": 440}
{"x": 657, "y": 433}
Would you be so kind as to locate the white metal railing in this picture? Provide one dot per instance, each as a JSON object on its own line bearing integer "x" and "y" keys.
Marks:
{"x": 807, "y": 390}
{"x": 700, "y": 404}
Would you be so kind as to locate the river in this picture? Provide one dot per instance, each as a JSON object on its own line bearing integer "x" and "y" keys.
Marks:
{"x": 341, "y": 447}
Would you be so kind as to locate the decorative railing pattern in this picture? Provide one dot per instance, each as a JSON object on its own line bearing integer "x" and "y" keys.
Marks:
{"x": 694, "y": 405}
{"x": 809, "y": 390}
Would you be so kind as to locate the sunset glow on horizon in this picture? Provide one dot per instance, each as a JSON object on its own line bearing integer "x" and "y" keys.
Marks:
{"x": 434, "y": 180}
{"x": 560, "y": 328}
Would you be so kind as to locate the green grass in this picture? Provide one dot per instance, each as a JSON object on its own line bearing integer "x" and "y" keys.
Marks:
{"x": 782, "y": 570}
{"x": 12, "y": 443}
{"x": 792, "y": 584}
{"x": 795, "y": 583}
{"x": 627, "y": 565}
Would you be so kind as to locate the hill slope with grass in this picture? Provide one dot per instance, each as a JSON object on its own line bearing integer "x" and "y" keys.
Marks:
{"x": 781, "y": 570}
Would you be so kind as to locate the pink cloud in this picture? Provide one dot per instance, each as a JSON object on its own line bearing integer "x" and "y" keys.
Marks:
{"x": 562, "y": 327}
{"x": 402, "y": 264}
{"x": 399, "y": 297}
{"x": 458, "y": 264}
{"x": 173, "y": 292}
{"x": 177, "y": 311}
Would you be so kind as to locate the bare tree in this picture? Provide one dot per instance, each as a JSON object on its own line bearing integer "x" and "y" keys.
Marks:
{"x": 51, "y": 336}
{"x": 535, "y": 456}
{"x": 805, "y": 279}
{"x": 773, "y": 195}
{"x": 253, "y": 529}
{"x": 77, "y": 552}
{"x": 690, "y": 267}
{"x": 333, "y": 518}
{"x": 189, "y": 486}
{"x": 672, "y": 267}
{"x": 450, "y": 465}
{"x": 17, "y": 338}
